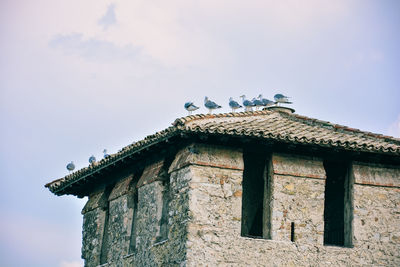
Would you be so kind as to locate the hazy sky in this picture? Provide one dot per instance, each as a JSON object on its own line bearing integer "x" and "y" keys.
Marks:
{"x": 80, "y": 76}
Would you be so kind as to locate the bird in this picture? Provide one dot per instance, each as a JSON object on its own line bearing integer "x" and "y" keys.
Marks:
{"x": 233, "y": 104}
{"x": 257, "y": 103}
{"x": 279, "y": 98}
{"x": 190, "y": 107}
{"x": 210, "y": 105}
{"x": 266, "y": 102}
{"x": 70, "y": 166}
{"x": 92, "y": 160}
{"x": 247, "y": 103}
{"x": 193, "y": 150}
{"x": 105, "y": 154}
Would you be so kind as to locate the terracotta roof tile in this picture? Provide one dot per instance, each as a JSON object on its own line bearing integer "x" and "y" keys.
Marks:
{"x": 273, "y": 125}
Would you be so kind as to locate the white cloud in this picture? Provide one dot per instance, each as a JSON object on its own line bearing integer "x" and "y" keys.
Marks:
{"x": 94, "y": 49}
{"x": 181, "y": 34}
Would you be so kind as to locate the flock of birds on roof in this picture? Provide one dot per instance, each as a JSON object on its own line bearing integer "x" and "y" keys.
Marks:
{"x": 247, "y": 104}
{"x": 211, "y": 105}
{"x": 92, "y": 161}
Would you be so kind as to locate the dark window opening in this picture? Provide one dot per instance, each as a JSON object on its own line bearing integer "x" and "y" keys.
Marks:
{"x": 256, "y": 195}
{"x": 133, "y": 202}
{"x": 132, "y": 242}
{"x": 163, "y": 232}
{"x": 104, "y": 243}
{"x": 338, "y": 204}
{"x": 166, "y": 197}
{"x": 292, "y": 232}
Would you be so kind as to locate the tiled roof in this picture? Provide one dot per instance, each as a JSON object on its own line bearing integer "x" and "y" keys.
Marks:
{"x": 266, "y": 124}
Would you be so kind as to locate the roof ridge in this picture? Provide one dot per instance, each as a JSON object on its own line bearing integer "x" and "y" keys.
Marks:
{"x": 339, "y": 127}
{"x": 301, "y": 118}
{"x": 181, "y": 121}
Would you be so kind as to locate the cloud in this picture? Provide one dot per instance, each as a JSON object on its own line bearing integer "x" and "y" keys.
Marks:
{"x": 71, "y": 264}
{"x": 94, "y": 49}
{"x": 108, "y": 18}
{"x": 198, "y": 34}
{"x": 394, "y": 128}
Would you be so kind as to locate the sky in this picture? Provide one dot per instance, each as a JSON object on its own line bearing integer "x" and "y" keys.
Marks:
{"x": 80, "y": 76}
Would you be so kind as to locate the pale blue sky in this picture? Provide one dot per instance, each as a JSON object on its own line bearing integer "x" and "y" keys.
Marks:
{"x": 80, "y": 76}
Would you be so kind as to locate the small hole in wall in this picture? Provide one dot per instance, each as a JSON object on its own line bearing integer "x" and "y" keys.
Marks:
{"x": 292, "y": 232}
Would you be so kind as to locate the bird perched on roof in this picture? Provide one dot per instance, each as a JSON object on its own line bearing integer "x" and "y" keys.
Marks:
{"x": 266, "y": 102}
{"x": 210, "y": 105}
{"x": 70, "y": 166}
{"x": 257, "y": 103}
{"x": 190, "y": 107}
{"x": 247, "y": 103}
{"x": 92, "y": 160}
{"x": 279, "y": 98}
{"x": 233, "y": 104}
{"x": 105, "y": 154}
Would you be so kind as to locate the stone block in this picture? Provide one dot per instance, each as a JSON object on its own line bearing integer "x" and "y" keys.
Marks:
{"x": 298, "y": 166}
{"x": 121, "y": 188}
{"x": 152, "y": 172}
{"x": 376, "y": 174}
{"x": 207, "y": 155}
{"x": 96, "y": 200}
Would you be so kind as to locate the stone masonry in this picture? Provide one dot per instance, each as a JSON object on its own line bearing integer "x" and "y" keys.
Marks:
{"x": 188, "y": 212}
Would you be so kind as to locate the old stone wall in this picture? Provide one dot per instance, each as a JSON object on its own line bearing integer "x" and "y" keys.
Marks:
{"x": 117, "y": 231}
{"x": 115, "y": 234}
{"x": 94, "y": 216}
{"x": 298, "y": 196}
{"x": 107, "y": 221}
{"x": 377, "y": 214}
{"x": 189, "y": 214}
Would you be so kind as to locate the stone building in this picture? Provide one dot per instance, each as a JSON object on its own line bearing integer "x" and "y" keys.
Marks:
{"x": 263, "y": 188}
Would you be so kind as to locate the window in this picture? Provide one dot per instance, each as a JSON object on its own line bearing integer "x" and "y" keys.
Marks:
{"x": 132, "y": 241}
{"x": 338, "y": 203}
{"x": 256, "y": 195}
{"x": 104, "y": 243}
{"x": 162, "y": 233}
{"x": 133, "y": 203}
{"x": 163, "y": 224}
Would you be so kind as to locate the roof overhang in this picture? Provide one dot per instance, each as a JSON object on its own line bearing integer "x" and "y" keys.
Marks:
{"x": 193, "y": 129}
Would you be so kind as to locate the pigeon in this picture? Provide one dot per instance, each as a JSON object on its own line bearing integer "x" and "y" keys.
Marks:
{"x": 92, "y": 160}
{"x": 233, "y": 104}
{"x": 266, "y": 102}
{"x": 247, "y": 103}
{"x": 210, "y": 105}
{"x": 105, "y": 154}
{"x": 279, "y": 98}
{"x": 258, "y": 103}
{"x": 70, "y": 166}
{"x": 190, "y": 107}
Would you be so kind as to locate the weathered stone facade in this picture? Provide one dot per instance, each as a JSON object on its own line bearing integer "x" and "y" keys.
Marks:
{"x": 203, "y": 214}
